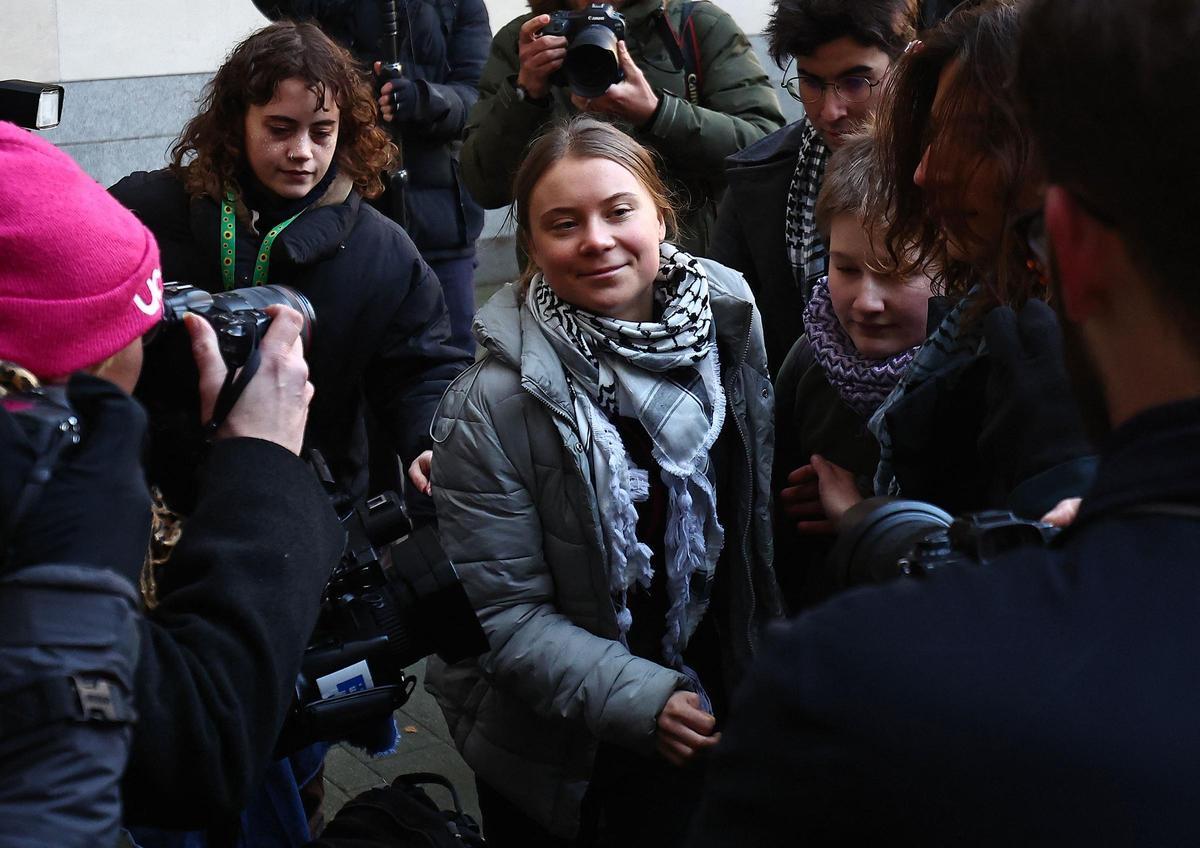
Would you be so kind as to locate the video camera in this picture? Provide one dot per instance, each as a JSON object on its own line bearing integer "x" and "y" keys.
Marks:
{"x": 393, "y": 600}
{"x": 885, "y": 538}
{"x": 592, "y": 34}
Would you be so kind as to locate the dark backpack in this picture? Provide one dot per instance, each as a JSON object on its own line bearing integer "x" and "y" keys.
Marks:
{"x": 401, "y": 816}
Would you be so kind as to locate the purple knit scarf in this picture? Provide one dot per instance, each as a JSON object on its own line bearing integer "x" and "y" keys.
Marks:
{"x": 862, "y": 383}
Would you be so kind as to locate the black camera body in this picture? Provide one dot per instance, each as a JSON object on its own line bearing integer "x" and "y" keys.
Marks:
{"x": 239, "y": 317}
{"x": 978, "y": 538}
{"x": 393, "y": 600}
{"x": 592, "y": 34}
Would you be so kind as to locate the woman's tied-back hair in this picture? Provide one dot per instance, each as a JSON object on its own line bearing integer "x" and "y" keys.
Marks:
{"x": 978, "y": 125}
{"x": 582, "y": 137}
{"x": 211, "y": 152}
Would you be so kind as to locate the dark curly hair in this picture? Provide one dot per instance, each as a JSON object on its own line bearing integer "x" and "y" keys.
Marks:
{"x": 799, "y": 27}
{"x": 211, "y": 149}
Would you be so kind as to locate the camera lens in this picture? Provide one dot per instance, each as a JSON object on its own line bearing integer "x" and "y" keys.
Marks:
{"x": 261, "y": 297}
{"x": 591, "y": 64}
{"x": 876, "y": 533}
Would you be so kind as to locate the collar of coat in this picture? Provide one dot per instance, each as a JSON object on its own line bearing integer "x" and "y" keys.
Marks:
{"x": 316, "y": 235}
{"x": 510, "y": 333}
{"x": 783, "y": 145}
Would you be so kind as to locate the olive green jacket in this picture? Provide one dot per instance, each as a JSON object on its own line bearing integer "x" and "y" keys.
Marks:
{"x": 737, "y": 107}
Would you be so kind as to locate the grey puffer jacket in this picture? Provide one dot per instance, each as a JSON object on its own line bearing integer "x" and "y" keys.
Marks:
{"x": 518, "y": 516}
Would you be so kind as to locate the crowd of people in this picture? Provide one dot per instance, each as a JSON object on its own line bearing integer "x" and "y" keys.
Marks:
{"x": 696, "y": 469}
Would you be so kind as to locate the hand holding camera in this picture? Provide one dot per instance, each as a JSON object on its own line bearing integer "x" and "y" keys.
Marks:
{"x": 540, "y": 56}
{"x": 632, "y": 99}
{"x": 274, "y": 405}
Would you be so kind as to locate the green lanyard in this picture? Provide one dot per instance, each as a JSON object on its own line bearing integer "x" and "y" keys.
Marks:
{"x": 229, "y": 238}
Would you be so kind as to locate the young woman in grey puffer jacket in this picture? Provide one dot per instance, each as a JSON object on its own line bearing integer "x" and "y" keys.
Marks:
{"x": 602, "y": 482}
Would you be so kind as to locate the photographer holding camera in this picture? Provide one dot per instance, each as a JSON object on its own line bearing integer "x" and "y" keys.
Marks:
{"x": 209, "y": 671}
{"x": 679, "y": 76}
{"x": 1047, "y": 698}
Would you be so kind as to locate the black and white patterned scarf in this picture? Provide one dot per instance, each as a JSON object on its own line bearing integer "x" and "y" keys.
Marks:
{"x": 805, "y": 247}
{"x": 860, "y": 382}
{"x": 666, "y": 374}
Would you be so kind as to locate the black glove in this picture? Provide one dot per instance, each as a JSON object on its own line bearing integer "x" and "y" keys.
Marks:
{"x": 95, "y": 508}
{"x": 1033, "y": 423}
{"x": 416, "y": 102}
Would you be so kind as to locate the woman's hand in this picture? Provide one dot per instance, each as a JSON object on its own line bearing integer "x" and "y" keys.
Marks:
{"x": 632, "y": 99}
{"x": 1064, "y": 512}
{"x": 420, "y": 470}
{"x": 274, "y": 404}
{"x": 540, "y": 56}
{"x": 818, "y": 495}
{"x": 801, "y": 501}
{"x": 685, "y": 730}
{"x": 837, "y": 490}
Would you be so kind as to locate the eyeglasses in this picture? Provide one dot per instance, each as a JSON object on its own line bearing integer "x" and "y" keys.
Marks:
{"x": 809, "y": 89}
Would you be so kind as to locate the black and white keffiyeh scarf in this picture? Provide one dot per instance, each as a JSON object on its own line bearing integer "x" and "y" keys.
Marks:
{"x": 666, "y": 374}
{"x": 860, "y": 382}
{"x": 806, "y": 250}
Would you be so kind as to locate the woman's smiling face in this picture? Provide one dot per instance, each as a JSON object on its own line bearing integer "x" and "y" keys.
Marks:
{"x": 594, "y": 231}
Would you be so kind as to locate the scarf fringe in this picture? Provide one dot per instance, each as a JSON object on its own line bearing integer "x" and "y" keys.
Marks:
{"x": 694, "y": 539}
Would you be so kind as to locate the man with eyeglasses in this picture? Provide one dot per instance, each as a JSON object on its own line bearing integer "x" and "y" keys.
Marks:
{"x": 836, "y": 55}
{"x": 1049, "y": 697}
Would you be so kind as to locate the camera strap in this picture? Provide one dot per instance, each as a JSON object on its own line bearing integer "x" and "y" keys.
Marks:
{"x": 683, "y": 46}
{"x": 235, "y": 383}
{"x": 229, "y": 244}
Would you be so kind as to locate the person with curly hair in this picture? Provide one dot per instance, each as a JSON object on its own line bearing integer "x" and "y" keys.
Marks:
{"x": 267, "y": 186}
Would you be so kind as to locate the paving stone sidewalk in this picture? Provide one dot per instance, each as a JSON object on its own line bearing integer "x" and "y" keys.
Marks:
{"x": 425, "y": 745}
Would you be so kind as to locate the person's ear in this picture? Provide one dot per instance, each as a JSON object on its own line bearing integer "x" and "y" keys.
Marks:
{"x": 662, "y": 227}
{"x": 1082, "y": 253}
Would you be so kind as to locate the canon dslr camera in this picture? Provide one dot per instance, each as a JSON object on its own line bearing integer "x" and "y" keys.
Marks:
{"x": 592, "y": 34}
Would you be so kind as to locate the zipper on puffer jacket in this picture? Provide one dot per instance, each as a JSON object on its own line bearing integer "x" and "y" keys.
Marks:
{"x": 558, "y": 410}
{"x": 745, "y": 437}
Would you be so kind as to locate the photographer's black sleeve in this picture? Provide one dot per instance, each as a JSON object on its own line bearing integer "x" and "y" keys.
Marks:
{"x": 237, "y": 602}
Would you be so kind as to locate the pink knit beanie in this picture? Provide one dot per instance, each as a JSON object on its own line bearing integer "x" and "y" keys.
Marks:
{"x": 79, "y": 274}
